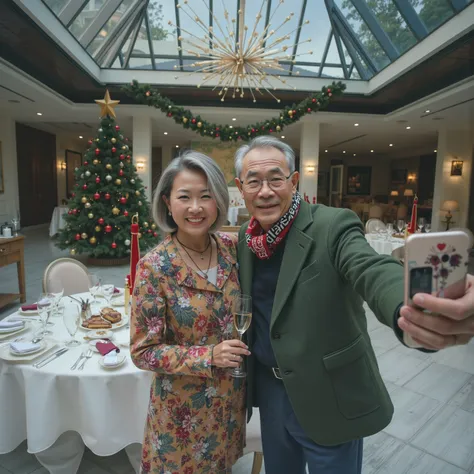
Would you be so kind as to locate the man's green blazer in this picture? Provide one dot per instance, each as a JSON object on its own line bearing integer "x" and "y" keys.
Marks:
{"x": 318, "y": 326}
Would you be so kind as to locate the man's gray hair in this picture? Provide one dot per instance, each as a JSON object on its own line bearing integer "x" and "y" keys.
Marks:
{"x": 193, "y": 161}
{"x": 265, "y": 141}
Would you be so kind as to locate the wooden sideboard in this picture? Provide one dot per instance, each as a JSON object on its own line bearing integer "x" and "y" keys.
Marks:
{"x": 12, "y": 251}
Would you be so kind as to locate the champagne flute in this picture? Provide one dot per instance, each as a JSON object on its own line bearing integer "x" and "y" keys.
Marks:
{"x": 389, "y": 230}
{"x": 401, "y": 225}
{"x": 71, "y": 318}
{"x": 421, "y": 223}
{"x": 45, "y": 306}
{"x": 427, "y": 227}
{"x": 242, "y": 319}
{"x": 94, "y": 286}
{"x": 108, "y": 291}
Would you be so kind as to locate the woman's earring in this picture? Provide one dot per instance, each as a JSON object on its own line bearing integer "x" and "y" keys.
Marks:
{"x": 169, "y": 213}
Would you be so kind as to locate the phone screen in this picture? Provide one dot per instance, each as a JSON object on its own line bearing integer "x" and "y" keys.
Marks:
{"x": 421, "y": 279}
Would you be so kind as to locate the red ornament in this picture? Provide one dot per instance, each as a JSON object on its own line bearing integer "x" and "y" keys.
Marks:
{"x": 86, "y": 163}
{"x": 78, "y": 237}
{"x": 193, "y": 120}
{"x": 123, "y": 200}
{"x": 101, "y": 221}
{"x": 107, "y": 196}
{"x": 89, "y": 142}
{"x": 69, "y": 212}
{"x": 97, "y": 180}
{"x": 96, "y": 196}
{"x": 271, "y": 131}
{"x": 84, "y": 186}
{"x": 313, "y": 101}
{"x": 114, "y": 245}
{"x": 97, "y": 151}
{"x": 170, "y": 114}
{"x": 148, "y": 93}
{"x": 217, "y": 135}
{"x": 155, "y": 234}
{"x": 74, "y": 211}
{"x": 73, "y": 194}
{"x": 217, "y": 129}
{"x": 114, "y": 149}
{"x": 121, "y": 173}
{"x": 125, "y": 213}
{"x": 329, "y": 90}
{"x": 150, "y": 231}
{"x": 253, "y": 130}
{"x": 108, "y": 228}
{"x": 310, "y": 109}
{"x": 122, "y": 157}
{"x": 128, "y": 157}
{"x": 117, "y": 127}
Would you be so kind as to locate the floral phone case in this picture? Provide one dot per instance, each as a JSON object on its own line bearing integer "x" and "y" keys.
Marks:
{"x": 435, "y": 263}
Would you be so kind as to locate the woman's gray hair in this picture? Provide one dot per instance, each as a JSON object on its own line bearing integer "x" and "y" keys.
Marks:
{"x": 193, "y": 161}
{"x": 265, "y": 141}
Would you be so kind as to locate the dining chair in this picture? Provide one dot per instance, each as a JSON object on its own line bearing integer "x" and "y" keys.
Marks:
{"x": 66, "y": 273}
{"x": 254, "y": 441}
{"x": 373, "y": 225}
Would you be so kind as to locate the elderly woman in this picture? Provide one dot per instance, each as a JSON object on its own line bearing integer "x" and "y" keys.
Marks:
{"x": 182, "y": 326}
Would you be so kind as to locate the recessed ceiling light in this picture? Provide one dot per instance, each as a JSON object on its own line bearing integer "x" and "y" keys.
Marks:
{"x": 230, "y": 126}
{"x": 39, "y": 113}
{"x": 344, "y": 151}
{"x": 356, "y": 125}
{"x": 408, "y": 128}
{"x": 391, "y": 144}
{"x": 427, "y": 111}
{"x": 80, "y": 136}
{"x": 354, "y": 154}
{"x": 177, "y": 146}
{"x": 234, "y": 119}
{"x": 436, "y": 151}
{"x": 283, "y": 136}
{"x": 165, "y": 133}
{"x": 371, "y": 151}
{"x": 325, "y": 151}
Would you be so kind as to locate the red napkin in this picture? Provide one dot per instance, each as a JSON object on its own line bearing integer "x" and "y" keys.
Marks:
{"x": 105, "y": 347}
{"x": 116, "y": 290}
{"x": 29, "y": 307}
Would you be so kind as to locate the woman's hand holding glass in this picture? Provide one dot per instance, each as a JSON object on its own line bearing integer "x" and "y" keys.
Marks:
{"x": 228, "y": 353}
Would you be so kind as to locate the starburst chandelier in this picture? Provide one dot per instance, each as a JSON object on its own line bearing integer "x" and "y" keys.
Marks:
{"x": 237, "y": 56}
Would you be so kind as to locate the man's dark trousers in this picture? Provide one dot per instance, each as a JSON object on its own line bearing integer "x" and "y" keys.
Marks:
{"x": 286, "y": 448}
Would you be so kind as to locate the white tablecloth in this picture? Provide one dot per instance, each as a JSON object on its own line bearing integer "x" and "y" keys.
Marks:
{"x": 383, "y": 246}
{"x": 232, "y": 214}
{"x": 57, "y": 220}
{"x": 106, "y": 407}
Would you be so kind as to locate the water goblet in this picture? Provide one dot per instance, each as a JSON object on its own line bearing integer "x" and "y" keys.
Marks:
{"x": 45, "y": 306}
{"x": 94, "y": 286}
{"x": 71, "y": 318}
{"x": 108, "y": 291}
{"x": 421, "y": 223}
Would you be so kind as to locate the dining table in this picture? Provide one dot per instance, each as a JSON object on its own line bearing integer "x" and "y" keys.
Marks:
{"x": 384, "y": 245}
{"x": 59, "y": 410}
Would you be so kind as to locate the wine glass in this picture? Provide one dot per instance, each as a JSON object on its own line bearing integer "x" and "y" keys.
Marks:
{"x": 108, "y": 291}
{"x": 428, "y": 227}
{"x": 94, "y": 286}
{"x": 421, "y": 223}
{"x": 71, "y": 318}
{"x": 57, "y": 297}
{"x": 401, "y": 225}
{"x": 242, "y": 318}
{"x": 389, "y": 230}
{"x": 45, "y": 306}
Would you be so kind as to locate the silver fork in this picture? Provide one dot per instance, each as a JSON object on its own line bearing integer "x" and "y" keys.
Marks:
{"x": 86, "y": 357}
{"x": 83, "y": 355}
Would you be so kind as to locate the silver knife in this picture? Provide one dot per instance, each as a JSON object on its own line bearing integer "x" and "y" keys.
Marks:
{"x": 49, "y": 359}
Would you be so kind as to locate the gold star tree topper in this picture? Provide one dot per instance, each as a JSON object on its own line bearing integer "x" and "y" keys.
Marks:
{"x": 107, "y": 105}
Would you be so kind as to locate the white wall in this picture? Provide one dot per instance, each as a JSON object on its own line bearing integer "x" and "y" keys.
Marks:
{"x": 9, "y": 200}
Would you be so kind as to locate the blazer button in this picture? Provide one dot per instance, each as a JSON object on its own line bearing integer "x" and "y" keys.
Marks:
{"x": 287, "y": 372}
{"x": 277, "y": 335}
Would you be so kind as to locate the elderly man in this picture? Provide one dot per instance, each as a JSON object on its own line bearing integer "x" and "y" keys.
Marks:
{"x": 313, "y": 372}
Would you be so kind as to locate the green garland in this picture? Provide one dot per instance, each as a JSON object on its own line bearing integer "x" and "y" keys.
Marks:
{"x": 316, "y": 101}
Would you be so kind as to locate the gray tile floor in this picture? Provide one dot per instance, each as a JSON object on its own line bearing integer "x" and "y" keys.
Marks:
{"x": 432, "y": 431}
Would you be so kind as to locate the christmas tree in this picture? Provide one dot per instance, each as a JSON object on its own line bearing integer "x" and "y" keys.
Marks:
{"x": 108, "y": 192}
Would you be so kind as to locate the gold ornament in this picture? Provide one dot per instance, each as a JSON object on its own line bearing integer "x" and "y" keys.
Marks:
{"x": 84, "y": 235}
{"x": 87, "y": 205}
{"x": 199, "y": 124}
{"x": 153, "y": 226}
{"x": 126, "y": 195}
{"x": 83, "y": 200}
{"x": 124, "y": 147}
{"x": 115, "y": 211}
{"x": 185, "y": 120}
{"x": 118, "y": 182}
{"x": 139, "y": 235}
{"x": 278, "y": 128}
{"x": 98, "y": 228}
{"x": 93, "y": 240}
{"x": 290, "y": 113}
{"x": 107, "y": 105}
{"x": 145, "y": 224}
{"x": 113, "y": 140}
{"x": 73, "y": 251}
{"x": 90, "y": 215}
{"x": 108, "y": 166}
{"x": 95, "y": 162}
{"x": 137, "y": 193}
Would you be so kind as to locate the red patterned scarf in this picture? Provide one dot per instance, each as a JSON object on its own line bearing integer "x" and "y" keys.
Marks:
{"x": 262, "y": 243}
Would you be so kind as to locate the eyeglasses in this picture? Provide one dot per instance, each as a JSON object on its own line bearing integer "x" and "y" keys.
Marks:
{"x": 276, "y": 183}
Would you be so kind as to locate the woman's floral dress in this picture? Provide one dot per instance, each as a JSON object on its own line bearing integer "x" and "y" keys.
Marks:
{"x": 196, "y": 416}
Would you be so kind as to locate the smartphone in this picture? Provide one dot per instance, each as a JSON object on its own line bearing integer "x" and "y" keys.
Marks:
{"x": 435, "y": 263}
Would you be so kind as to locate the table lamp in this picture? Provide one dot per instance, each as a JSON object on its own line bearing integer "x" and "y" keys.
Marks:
{"x": 448, "y": 207}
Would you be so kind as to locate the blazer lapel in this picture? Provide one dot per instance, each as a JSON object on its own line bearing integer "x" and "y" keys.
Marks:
{"x": 297, "y": 247}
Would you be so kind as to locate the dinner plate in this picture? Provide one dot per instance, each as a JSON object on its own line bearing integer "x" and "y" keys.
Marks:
{"x": 6, "y": 355}
{"x": 41, "y": 344}
{"x": 30, "y": 312}
{"x": 121, "y": 359}
{"x": 120, "y": 292}
{"x": 6, "y": 330}
{"x": 118, "y": 325}
{"x": 118, "y": 301}
{"x": 99, "y": 334}
{"x": 6, "y": 335}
